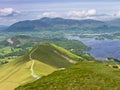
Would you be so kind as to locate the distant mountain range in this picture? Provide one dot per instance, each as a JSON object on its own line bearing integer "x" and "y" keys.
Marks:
{"x": 54, "y": 24}
{"x": 3, "y": 27}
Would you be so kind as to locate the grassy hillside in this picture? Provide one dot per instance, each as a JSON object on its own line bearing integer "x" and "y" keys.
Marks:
{"x": 15, "y": 73}
{"x": 83, "y": 76}
{"x": 65, "y": 52}
{"x": 23, "y": 43}
{"x": 18, "y": 72}
{"x": 54, "y": 56}
{"x": 47, "y": 58}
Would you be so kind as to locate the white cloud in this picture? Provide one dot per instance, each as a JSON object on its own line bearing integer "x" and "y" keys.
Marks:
{"x": 8, "y": 12}
{"x": 70, "y": 14}
{"x": 76, "y": 14}
{"x": 117, "y": 14}
{"x": 91, "y": 12}
{"x": 82, "y": 14}
{"x": 49, "y": 14}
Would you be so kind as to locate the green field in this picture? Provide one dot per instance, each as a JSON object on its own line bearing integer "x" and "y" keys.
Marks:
{"x": 8, "y": 49}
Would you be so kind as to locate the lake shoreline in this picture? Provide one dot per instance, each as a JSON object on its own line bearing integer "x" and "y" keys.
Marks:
{"x": 100, "y": 49}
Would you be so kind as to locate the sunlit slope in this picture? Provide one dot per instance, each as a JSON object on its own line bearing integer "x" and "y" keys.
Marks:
{"x": 18, "y": 72}
{"x": 15, "y": 73}
{"x": 55, "y": 56}
{"x": 82, "y": 76}
{"x": 47, "y": 59}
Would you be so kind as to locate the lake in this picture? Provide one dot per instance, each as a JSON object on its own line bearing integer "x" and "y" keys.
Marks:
{"x": 101, "y": 49}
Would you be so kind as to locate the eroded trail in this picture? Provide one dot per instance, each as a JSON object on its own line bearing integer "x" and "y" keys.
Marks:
{"x": 32, "y": 65}
{"x": 70, "y": 60}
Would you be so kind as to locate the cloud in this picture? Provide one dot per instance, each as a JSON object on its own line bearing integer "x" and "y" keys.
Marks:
{"x": 49, "y": 14}
{"x": 117, "y": 14}
{"x": 91, "y": 12}
{"x": 82, "y": 14}
{"x": 70, "y": 14}
{"x": 4, "y": 12}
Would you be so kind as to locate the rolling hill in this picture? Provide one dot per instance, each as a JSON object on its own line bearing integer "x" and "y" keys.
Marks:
{"x": 53, "y": 24}
{"x": 40, "y": 61}
{"x": 82, "y": 76}
{"x": 60, "y": 24}
{"x": 19, "y": 44}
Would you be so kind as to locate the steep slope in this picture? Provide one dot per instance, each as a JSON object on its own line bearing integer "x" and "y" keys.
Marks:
{"x": 55, "y": 56}
{"x": 15, "y": 73}
{"x": 40, "y": 61}
{"x": 82, "y": 76}
{"x": 18, "y": 72}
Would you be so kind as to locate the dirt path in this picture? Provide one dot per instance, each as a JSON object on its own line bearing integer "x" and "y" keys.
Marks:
{"x": 70, "y": 60}
{"x": 10, "y": 41}
{"x": 32, "y": 65}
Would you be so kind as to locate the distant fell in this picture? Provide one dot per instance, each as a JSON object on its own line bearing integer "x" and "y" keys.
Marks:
{"x": 3, "y": 27}
{"x": 53, "y": 24}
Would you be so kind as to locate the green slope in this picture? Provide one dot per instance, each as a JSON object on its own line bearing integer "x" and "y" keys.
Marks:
{"x": 46, "y": 60}
{"x": 18, "y": 72}
{"x": 54, "y": 56}
{"x": 82, "y": 76}
{"x": 15, "y": 73}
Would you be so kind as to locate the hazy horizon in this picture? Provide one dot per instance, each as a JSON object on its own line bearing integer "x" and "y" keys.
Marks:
{"x": 12, "y": 11}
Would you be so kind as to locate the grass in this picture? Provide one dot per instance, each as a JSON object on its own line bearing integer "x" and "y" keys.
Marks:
{"x": 43, "y": 69}
{"x": 2, "y": 38}
{"x": 83, "y": 76}
{"x": 7, "y": 50}
{"x": 66, "y": 52}
{"x": 46, "y": 54}
{"x": 17, "y": 72}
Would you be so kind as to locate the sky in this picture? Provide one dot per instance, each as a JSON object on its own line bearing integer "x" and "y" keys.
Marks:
{"x": 12, "y": 11}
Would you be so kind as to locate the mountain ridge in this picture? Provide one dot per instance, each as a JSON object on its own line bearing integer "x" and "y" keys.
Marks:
{"x": 51, "y": 23}
{"x": 61, "y": 24}
{"x": 82, "y": 76}
{"x": 40, "y": 61}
